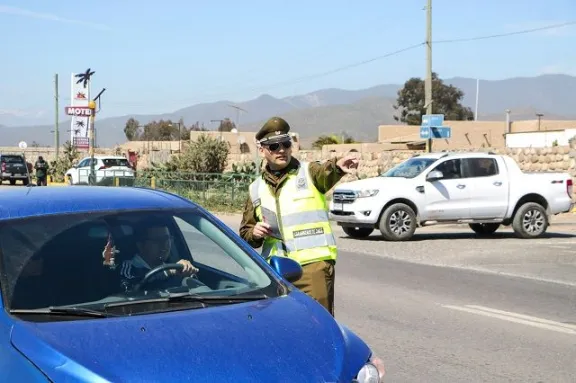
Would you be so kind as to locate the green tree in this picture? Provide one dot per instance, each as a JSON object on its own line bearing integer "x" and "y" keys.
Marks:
{"x": 131, "y": 129}
{"x": 226, "y": 125}
{"x": 332, "y": 139}
{"x": 205, "y": 155}
{"x": 64, "y": 162}
{"x": 446, "y": 100}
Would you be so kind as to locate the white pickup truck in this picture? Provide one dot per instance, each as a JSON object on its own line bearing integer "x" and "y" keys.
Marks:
{"x": 482, "y": 190}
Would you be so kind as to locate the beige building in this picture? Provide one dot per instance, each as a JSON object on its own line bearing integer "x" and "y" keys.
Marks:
{"x": 468, "y": 134}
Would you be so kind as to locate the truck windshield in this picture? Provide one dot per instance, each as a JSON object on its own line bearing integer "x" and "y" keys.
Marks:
{"x": 410, "y": 168}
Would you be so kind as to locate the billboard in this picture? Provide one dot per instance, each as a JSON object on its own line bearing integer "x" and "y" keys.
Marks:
{"x": 79, "y": 124}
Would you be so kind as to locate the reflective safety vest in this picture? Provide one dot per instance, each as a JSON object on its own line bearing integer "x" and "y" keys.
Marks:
{"x": 302, "y": 215}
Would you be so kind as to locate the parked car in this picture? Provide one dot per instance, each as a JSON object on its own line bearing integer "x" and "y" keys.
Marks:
{"x": 68, "y": 316}
{"x": 106, "y": 167}
{"x": 14, "y": 168}
{"x": 482, "y": 190}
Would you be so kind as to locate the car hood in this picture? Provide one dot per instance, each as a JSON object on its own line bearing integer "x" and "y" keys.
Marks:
{"x": 372, "y": 183}
{"x": 286, "y": 339}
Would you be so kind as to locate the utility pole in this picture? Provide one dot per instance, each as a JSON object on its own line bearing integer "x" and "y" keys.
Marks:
{"x": 56, "y": 121}
{"x": 428, "y": 82}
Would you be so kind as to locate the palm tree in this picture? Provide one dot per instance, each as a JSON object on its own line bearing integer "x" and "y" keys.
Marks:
{"x": 84, "y": 77}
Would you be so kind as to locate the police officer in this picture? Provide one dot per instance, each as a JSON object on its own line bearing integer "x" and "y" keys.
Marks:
{"x": 286, "y": 212}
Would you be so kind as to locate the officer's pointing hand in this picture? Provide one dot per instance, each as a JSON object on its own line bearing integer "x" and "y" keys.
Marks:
{"x": 347, "y": 163}
{"x": 261, "y": 230}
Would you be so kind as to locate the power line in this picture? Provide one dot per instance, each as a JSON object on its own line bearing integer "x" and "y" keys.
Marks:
{"x": 364, "y": 62}
{"x": 506, "y": 34}
{"x": 339, "y": 69}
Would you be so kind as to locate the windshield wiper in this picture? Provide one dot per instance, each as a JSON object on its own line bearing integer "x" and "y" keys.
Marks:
{"x": 214, "y": 298}
{"x": 203, "y": 300}
{"x": 72, "y": 311}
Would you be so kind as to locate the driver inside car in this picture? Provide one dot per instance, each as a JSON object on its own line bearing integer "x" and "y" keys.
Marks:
{"x": 154, "y": 242}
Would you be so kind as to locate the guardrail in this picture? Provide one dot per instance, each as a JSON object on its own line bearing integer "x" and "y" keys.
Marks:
{"x": 107, "y": 177}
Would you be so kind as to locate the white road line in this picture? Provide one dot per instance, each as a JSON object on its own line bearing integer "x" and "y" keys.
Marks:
{"x": 516, "y": 318}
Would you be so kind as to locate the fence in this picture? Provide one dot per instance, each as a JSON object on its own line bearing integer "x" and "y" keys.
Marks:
{"x": 213, "y": 191}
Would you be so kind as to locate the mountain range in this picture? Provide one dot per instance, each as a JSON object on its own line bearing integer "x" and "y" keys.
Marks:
{"x": 354, "y": 112}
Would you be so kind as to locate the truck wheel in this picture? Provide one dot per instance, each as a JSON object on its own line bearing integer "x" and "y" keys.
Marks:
{"x": 530, "y": 221}
{"x": 398, "y": 222}
{"x": 357, "y": 232}
{"x": 484, "y": 228}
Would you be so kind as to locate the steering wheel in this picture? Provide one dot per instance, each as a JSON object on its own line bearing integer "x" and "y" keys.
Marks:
{"x": 156, "y": 270}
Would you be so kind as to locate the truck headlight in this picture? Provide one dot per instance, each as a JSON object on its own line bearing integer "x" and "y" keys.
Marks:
{"x": 371, "y": 372}
{"x": 366, "y": 193}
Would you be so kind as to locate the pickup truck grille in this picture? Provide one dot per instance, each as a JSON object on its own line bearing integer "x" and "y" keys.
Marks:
{"x": 344, "y": 196}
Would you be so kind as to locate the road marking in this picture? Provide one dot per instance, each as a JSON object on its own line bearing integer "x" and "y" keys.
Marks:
{"x": 516, "y": 318}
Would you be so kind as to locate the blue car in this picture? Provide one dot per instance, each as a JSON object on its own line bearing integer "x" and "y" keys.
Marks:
{"x": 108, "y": 284}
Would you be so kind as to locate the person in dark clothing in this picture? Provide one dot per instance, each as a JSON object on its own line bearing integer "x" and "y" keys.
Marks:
{"x": 41, "y": 167}
{"x": 154, "y": 242}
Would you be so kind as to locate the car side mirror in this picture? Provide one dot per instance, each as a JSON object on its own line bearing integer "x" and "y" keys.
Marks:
{"x": 288, "y": 268}
{"x": 434, "y": 175}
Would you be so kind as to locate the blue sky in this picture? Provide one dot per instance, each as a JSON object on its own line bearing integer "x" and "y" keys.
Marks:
{"x": 159, "y": 56}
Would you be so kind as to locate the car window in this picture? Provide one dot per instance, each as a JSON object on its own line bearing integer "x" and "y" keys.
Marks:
{"x": 13, "y": 159}
{"x": 115, "y": 162}
{"x": 95, "y": 259}
{"x": 410, "y": 168}
{"x": 481, "y": 167}
{"x": 207, "y": 252}
{"x": 451, "y": 169}
{"x": 83, "y": 163}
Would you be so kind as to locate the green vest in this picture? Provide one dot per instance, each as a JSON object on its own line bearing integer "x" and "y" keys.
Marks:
{"x": 302, "y": 214}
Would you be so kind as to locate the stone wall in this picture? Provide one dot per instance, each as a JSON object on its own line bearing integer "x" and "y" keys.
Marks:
{"x": 553, "y": 159}
{"x": 48, "y": 153}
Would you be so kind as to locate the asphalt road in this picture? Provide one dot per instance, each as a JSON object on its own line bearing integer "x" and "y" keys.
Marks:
{"x": 435, "y": 324}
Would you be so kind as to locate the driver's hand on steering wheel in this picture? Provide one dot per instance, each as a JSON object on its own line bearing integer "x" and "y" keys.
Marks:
{"x": 189, "y": 269}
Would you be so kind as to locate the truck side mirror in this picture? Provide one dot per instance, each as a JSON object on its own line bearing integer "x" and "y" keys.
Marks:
{"x": 434, "y": 175}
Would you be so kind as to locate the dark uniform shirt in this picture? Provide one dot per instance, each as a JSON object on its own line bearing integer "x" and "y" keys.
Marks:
{"x": 324, "y": 176}
{"x": 41, "y": 168}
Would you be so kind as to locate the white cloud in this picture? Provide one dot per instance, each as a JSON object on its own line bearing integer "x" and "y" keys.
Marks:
{"x": 562, "y": 31}
{"x": 6, "y": 9}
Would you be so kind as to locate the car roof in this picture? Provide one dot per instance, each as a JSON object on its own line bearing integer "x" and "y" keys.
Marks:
{"x": 24, "y": 202}
{"x": 448, "y": 154}
{"x": 103, "y": 156}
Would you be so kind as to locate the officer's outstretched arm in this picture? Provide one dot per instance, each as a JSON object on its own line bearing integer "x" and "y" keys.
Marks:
{"x": 326, "y": 175}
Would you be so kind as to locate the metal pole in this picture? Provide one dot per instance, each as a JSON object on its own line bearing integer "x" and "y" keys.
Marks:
{"x": 428, "y": 82}
{"x": 92, "y": 177}
{"x": 56, "y": 120}
{"x": 477, "y": 97}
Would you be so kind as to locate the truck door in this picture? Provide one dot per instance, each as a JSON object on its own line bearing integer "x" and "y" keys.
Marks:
{"x": 448, "y": 198}
{"x": 488, "y": 187}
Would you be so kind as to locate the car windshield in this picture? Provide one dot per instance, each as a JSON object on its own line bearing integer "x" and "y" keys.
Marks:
{"x": 97, "y": 260}
{"x": 410, "y": 168}
{"x": 115, "y": 162}
{"x": 13, "y": 159}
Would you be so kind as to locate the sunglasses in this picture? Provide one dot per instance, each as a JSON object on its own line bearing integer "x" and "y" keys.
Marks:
{"x": 276, "y": 146}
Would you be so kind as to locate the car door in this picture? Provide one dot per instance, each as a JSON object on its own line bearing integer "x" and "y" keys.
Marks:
{"x": 488, "y": 187}
{"x": 448, "y": 198}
